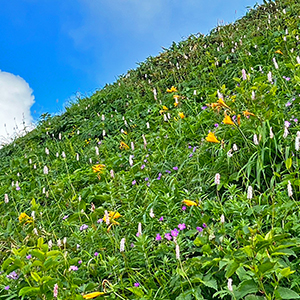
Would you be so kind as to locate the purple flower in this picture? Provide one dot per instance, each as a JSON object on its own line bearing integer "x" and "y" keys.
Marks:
{"x": 133, "y": 182}
{"x": 6, "y": 287}
{"x": 145, "y": 160}
{"x": 174, "y": 232}
{"x": 65, "y": 217}
{"x": 158, "y": 178}
{"x": 216, "y": 125}
{"x": 143, "y": 166}
{"x": 159, "y": 175}
{"x": 191, "y": 155}
{"x": 287, "y": 124}
{"x": 28, "y": 256}
{"x": 83, "y": 227}
{"x": 161, "y": 219}
{"x": 158, "y": 237}
{"x": 168, "y": 236}
{"x": 96, "y": 254}
{"x": 204, "y": 107}
{"x": 168, "y": 171}
{"x": 288, "y": 104}
{"x": 80, "y": 262}
{"x": 194, "y": 149}
{"x": 18, "y": 188}
{"x": 147, "y": 178}
{"x": 296, "y": 120}
{"x": 136, "y": 284}
{"x": 73, "y": 268}
{"x": 132, "y": 245}
{"x": 175, "y": 168}
{"x": 189, "y": 146}
{"x": 100, "y": 221}
{"x": 200, "y": 229}
{"x": 204, "y": 225}
{"x": 181, "y": 226}
{"x": 148, "y": 184}
{"x": 13, "y": 275}
{"x": 183, "y": 208}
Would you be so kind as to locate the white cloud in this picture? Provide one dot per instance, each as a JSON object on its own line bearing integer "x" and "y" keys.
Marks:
{"x": 16, "y": 100}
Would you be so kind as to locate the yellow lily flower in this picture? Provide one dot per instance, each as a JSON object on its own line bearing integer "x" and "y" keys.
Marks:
{"x": 246, "y": 113}
{"x": 176, "y": 104}
{"x": 227, "y": 120}
{"x": 123, "y": 146}
{"x": 279, "y": 52}
{"x": 24, "y": 217}
{"x": 212, "y": 138}
{"x": 172, "y": 89}
{"x": 222, "y": 103}
{"x": 189, "y": 202}
{"x": 181, "y": 115}
{"x": 112, "y": 215}
{"x": 165, "y": 108}
{"x": 92, "y": 295}
{"x": 98, "y": 168}
{"x": 239, "y": 119}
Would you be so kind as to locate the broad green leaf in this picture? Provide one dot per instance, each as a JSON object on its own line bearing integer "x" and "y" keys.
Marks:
{"x": 286, "y": 293}
{"x": 28, "y": 290}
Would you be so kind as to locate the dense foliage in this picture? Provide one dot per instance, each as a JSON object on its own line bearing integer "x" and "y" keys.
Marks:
{"x": 178, "y": 181}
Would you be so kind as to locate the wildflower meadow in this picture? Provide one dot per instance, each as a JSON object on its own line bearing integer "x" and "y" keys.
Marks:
{"x": 179, "y": 181}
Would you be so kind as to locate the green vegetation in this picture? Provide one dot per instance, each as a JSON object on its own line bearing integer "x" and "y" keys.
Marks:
{"x": 144, "y": 191}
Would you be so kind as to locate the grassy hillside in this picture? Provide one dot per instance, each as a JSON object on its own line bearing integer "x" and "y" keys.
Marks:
{"x": 178, "y": 181}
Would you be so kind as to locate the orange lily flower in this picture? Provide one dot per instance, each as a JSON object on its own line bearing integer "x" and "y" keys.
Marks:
{"x": 227, "y": 120}
{"x": 212, "y": 138}
{"x": 181, "y": 115}
{"x": 189, "y": 202}
{"x": 239, "y": 119}
{"x": 246, "y": 113}
{"x": 123, "y": 146}
{"x": 92, "y": 295}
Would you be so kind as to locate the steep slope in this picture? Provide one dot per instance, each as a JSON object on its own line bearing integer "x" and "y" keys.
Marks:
{"x": 178, "y": 181}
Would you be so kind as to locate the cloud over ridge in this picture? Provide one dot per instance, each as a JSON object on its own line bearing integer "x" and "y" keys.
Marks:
{"x": 16, "y": 99}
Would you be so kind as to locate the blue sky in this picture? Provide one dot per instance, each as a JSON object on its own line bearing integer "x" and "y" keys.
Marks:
{"x": 64, "y": 47}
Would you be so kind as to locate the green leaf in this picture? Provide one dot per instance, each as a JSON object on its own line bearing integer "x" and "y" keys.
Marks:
{"x": 286, "y": 293}
{"x": 36, "y": 276}
{"x": 288, "y": 163}
{"x": 137, "y": 291}
{"x": 39, "y": 254}
{"x": 286, "y": 272}
{"x": 28, "y": 290}
{"x": 231, "y": 268}
{"x": 246, "y": 287}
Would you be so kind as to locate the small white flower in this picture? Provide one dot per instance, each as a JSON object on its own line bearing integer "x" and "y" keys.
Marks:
{"x": 77, "y": 156}
{"x": 222, "y": 219}
{"x": 148, "y": 125}
{"x": 97, "y": 150}
{"x": 59, "y": 244}
{"x": 275, "y": 63}
{"x": 106, "y": 217}
{"x": 103, "y": 118}
{"x": 177, "y": 251}
{"x": 55, "y": 290}
{"x": 234, "y": 147}
{"x": 122, "y": 245}
{"x": 131, "y": 160}
{"x": 35, "y": 231}
{"x": 229, "y": 153}
{"x": 103, "y": 132}
{"x": 59, "y": 136}
{"x": 132, "y": 146}
{"x": 155, "y": 94}
{"x": 298, "y": 59}
{"x": 244, "y": 74}
{"x": 290, "y": 189}
{"x": 46, "y": 170}
{"x": 286, "y": 132}
{"x": 297, "y": 141}
{"x": 255, "y": 139}
{"x": 152, "y": 215}
{"x": 271, "y": 133}
{"x": 270, "y": 77}
{"x": 6, "y": 200}
{"x": 217, "y": 178}
{"x": 253, "y": 95}
{"x": 63, "y": 154}
{"x": 229, "y": 284}
{"x": 64, "y": 240}
{"x": 33, "y": 215}
{"x": 47, "y": 151}
{"x": 112, "y": 174}
{"x": 50, "y": 244}
{"x": 139, "y": 233}
{"x": 250, "y": 192}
